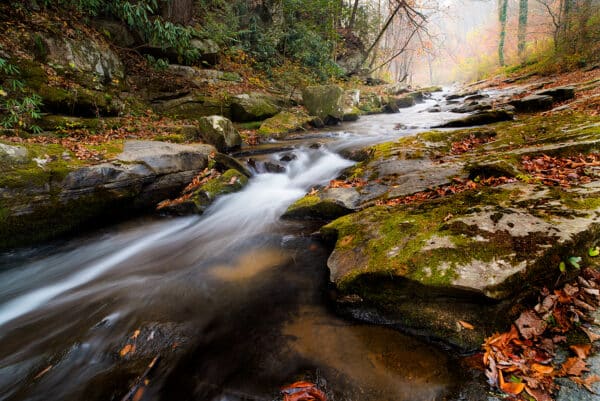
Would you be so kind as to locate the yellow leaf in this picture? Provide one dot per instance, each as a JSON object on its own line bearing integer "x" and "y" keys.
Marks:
{"x": 127, "y": 349}
{"x": 466, "y": 325}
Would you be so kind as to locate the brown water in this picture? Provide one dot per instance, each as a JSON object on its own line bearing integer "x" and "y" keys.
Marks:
{"x": 235, "y": 304}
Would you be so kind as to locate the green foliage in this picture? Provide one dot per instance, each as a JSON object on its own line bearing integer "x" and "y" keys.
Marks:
{"x": 141, "y": 16}
{"x": 159, "y": 64}
{"x": 17, "y": 109}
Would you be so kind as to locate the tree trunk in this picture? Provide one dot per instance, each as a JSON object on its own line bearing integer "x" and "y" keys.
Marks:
{"x": 353, "y": 15}
{"x": 522, "y": 32}
{"x": 382, "y": 31}
{"x": 177, "y": 11}
{"x": 502, "y": 8}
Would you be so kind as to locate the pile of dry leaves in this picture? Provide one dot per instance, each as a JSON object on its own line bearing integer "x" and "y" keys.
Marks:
{"x": 458, "y": 186}
{"x": 522, "y": 362}
{"x": 468, "y": 144}
{"x": 563, "y": 171}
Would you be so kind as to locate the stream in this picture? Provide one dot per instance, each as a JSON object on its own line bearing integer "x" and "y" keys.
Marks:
{"x": 235, "y": 301}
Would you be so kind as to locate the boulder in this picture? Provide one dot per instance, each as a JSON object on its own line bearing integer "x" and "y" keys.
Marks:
{"x": 220, "y": 132}
{"x": 325, "y": 102}
{"x": 394, "y": 104}
{"x": 370, "y": 103}
{"x": 284, "y": 123}
{"x": 252, "y": 107}
{"x": 454, "y": 96}
{"x": 559, "y": 94}
{"x": 116, "y": 32}
{"x": 79, "y": 102}
{"x": 209, "y": 50}
{"x": 191, "y": 106}
{"x": 43, "y": 196}
{"x": 87, "y": 56}
{"x": 397, "y": 89}
{"x": 533, "y": 103}
{"x": 480, "y": 118}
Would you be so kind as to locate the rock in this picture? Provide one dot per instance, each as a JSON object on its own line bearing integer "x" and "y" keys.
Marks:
{"x": 396, "y": 89}
{"x": 191, "y": 106}
{"x": 472, "y": 106}
{"x": 39, "y": 202}
{"x": 87, "y": 56}
{"x": 394, "y": 104}
{"x": 229, "y": 182}
{"x": 454, "y": 96}
{"x": 435, "y": 109}
{"x": 201, "y": 76}
{"x": 431, "y": 89}
{"x": 480, "y": 118}
{"x": 559, "y": 94}
{"x": 209, "y": 50}
{"x": 370, "y": 103}
{"x": 81, "y": 102}
{"x": 351, "y": 102}
{"x": 224, "y": 162}
{"x": 220, "y": 132}
{"x": 327, "y": 206}
{"x": 325, "y": 102}
{"x": 284, "y": 123}
{"x": 252, "y": 107}
{"x": 115, "y": 31}
{"x": 412, "y": 262}
{"x": 52, "y": 122}
{"x": 12, "y": 154}
{"x": 479, "y": 96}
{"x": 533, "y": 103}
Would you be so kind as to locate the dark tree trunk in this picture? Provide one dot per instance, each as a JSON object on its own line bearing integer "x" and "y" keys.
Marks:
{"x": 178, "y": 11}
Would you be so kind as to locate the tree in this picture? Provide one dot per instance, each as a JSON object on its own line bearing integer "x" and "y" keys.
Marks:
{"x": 522, "y": 32}
{"x": 502, "y": 11}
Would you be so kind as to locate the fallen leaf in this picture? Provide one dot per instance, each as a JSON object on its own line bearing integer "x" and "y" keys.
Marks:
{"x": 539, "y": 395}
{"x": 530, "y": 325}
{"x": 545, "y": 369}
{"x": 42, "y": 373}
{"x": 302, "y": 391}
{"x": 510, "y": 387}
{"x": 591, "y": 335}
{"x": 135, "y": 334}
{"x": 138, "y": 394}
{"x": 574, "y": 367}
{"x": 587, "y": 382}
{"x": 466, "y": 325}
{"x": 129, "y": 348}
{"x": 581, "y": 350}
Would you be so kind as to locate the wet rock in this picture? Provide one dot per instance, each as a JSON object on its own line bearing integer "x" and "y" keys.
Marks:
{"x": 225, "y": 162}
{"x": 288, "y": 157}
{"x": 473, "y": 106}
{"x": 435, "y": 109}
{"x": 533, "y": 103}
{"x": 329, "y": 205}
{"x": 394, "y": 104}
{"x": 220, "y": 132}
{"x": 479, "y": 96}
{"x": 370, "y": 103}
{"x": 558, "y": 94}
{"x": 43, "y": 201}
{"x": 464, "y": 249}
{"x": 253, "y": 107}
{"x": 454, "y": 96}
{"x": 271, "y": 167}
{"x": 284, "y": 123}
{"x": 325, "y": 102}
{"x": 480, "y": 118}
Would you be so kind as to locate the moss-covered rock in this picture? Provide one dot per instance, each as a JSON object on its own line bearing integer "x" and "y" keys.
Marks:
{"x": 48, "y": 192}
{"x": 325, "y": 102}
{"x": 284, "y": 123}
{"x": 192, "y": 106}
{"x": 479, "y": 118}
{"x": 252, "y": 107}
{"x": 315, "y": 207}
{"x": 219, "y": 132}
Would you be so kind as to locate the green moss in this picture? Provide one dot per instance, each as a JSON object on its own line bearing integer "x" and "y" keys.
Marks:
{"x": 283, "y": 123}
{"x": 250, "y": 125}
{"x": 230, "y": 181}
{"x": 28, "y": 173}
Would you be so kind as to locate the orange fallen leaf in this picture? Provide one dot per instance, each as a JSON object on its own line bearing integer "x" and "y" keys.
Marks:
{"x": 135, "y": 334}
{"x": 129, "y": 348}
{"x": 591, "y": 335}
{"x": 574, "y": 367}
{"x": 538, "y": 394}
{"x": 466, "y": 325}
{"x": 544, "y": 369}
{"x": 581, "y": 350}
{"x": 42, "y": 373}
{"x": 302, "y": 391}
{"x": 510, "y": 387}
{"x": 587, "y": 382}
{"x": 138, "y": 394}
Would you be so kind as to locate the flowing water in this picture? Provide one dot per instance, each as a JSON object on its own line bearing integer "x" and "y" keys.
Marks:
{"x": 234, "y": 301}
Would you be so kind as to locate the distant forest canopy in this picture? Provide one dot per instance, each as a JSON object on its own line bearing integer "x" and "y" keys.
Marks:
{"x": 413, "y": 41}
{"x": 476, "y": 37}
